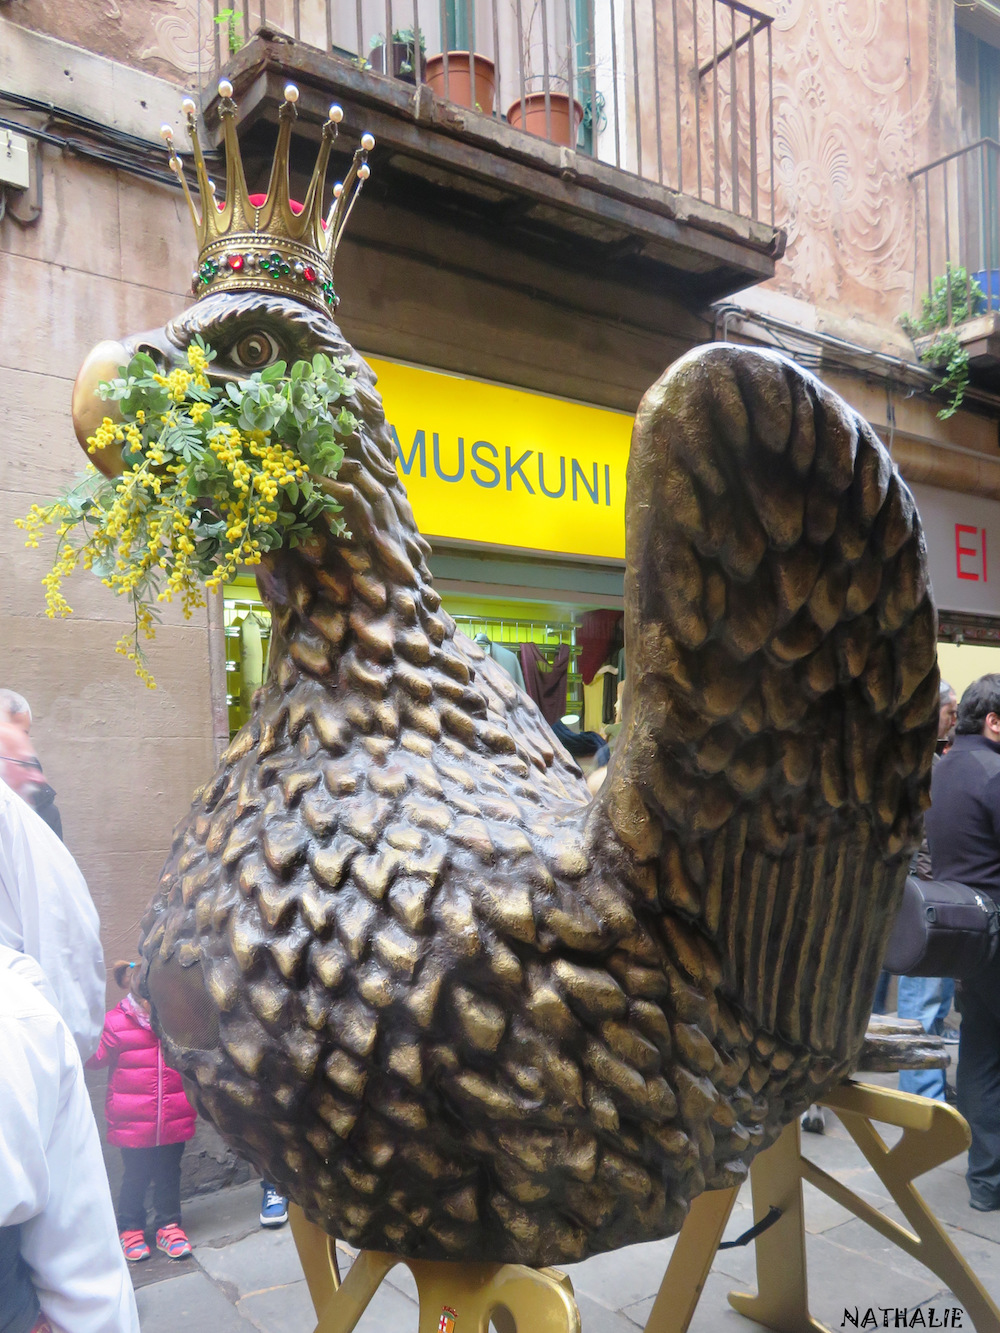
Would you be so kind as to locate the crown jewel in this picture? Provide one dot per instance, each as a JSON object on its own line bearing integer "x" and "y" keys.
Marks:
{"x": 251, "y": 242}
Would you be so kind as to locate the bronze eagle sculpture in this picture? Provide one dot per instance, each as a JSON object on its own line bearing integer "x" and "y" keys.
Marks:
{"x": 450, "y": 1004}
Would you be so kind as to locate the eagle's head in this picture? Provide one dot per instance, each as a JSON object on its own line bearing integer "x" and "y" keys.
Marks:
{"x": 250, "y": 330}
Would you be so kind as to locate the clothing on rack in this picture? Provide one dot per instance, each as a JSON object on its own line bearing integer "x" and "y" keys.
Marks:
{"x": 545, "y": 680}
{"x": 599, "y": 637}
{"x": 595, "y": 698}
{"x": 255, "y": 633}
{"x": 610, "y": 695}
{"x": 504, "y": 658}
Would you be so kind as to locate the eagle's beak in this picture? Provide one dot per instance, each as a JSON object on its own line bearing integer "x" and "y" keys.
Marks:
{"x": 103, "y": 363}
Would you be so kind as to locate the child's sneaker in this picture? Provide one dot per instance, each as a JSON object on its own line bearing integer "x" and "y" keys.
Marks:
{"x": 173, "y": 1242}
{"x": 273, "y": 1208}
{"x": 134, "y": 1246}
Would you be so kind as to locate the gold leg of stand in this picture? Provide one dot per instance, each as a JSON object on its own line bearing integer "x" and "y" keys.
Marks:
{"x": 782, "y": 1300}
{"x": 317, "y": 1254}
{"x": 933, "y": 1132}
{"x": 516, "y": 1298}
{"x": 690, "y": 1263}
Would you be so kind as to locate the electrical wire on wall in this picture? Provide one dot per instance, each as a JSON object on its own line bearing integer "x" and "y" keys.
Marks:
{"x": 820, "y": 351}
{"x": 82, "y": 137}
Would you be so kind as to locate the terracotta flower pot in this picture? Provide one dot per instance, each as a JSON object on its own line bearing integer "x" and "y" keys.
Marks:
{"x": 460, "y": 89}
{"x": 562, "y": 128}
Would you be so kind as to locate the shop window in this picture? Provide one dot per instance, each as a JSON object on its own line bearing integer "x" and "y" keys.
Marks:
{"x": 248, "y": 637}
{"x": 515, "y": 627}
{"x": 968, "y": 647}
{"x": 248, "y": 631}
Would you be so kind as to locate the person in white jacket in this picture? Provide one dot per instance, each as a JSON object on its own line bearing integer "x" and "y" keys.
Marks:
{"x": 46, "y": 912}
{"x": 60, "y": 1258}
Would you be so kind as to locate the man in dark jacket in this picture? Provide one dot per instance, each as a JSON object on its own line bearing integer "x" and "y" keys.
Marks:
{"x": 963, "y": 830}
{"x": 929, "y": 999}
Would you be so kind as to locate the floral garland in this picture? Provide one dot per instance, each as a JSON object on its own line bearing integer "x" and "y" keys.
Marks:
{"x": 212, "y": 477}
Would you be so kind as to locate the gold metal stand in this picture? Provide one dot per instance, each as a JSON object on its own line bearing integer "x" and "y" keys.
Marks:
{"x": 453, "y": 1298}
{"x": 932, "y": 1134}
{"x": 464, "y": 1298}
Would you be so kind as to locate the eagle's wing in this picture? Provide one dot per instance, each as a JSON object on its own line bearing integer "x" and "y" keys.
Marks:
{"x": 781, "y": 709}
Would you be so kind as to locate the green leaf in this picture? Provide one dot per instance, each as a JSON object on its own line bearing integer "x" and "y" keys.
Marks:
{"x": 346, "y": 423}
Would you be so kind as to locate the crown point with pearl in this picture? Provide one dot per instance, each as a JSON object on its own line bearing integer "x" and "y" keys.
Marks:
{"x": 262, "y": 243}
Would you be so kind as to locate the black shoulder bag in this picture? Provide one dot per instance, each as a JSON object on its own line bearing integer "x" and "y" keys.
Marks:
{"x": 943, "y": 929}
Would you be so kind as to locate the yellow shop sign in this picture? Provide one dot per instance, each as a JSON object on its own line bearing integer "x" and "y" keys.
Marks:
{"x": 493, "y": 464}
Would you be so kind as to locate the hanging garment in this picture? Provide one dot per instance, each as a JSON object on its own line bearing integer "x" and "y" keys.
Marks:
{"x": 610, "y": 694}
{"x": 503, "y": 657}
{"x": 599, "y": 636}
{"x": 255, "y": 633}
{"x": 594, "y": 699}
{"x": 545, "y": 682}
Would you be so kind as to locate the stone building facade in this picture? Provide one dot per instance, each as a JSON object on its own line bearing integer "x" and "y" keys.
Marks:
{"x": 865, "y": 92}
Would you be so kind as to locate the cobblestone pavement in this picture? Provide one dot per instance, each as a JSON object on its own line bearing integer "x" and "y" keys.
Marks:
{"x": 245, "y": 1280}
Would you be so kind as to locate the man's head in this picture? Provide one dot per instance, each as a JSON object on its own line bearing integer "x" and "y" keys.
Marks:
{"x": 15, "y": 708}
{"x": 19, "y": 766}
{"x": 948, "y": 714}
{"x": 979, "y": 709}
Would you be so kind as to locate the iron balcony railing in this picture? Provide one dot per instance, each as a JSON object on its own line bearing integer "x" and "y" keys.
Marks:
{"x": 958, "y": 205}
{"x": 679, "y": 92}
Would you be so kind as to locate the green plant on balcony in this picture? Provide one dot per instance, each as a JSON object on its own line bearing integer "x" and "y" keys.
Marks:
{"x": 954, "y": 297}
{"x": 402, "y": 59}
{"x": 229, "y": 19}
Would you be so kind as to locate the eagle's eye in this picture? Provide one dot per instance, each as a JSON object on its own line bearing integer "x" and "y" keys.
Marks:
{"x": 254, "y": 350}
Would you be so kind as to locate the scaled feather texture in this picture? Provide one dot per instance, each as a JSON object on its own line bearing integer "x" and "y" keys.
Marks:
{"x": 452, "y": 1006}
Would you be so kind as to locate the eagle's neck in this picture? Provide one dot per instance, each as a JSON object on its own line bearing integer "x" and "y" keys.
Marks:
{"x": 344, "y": 608}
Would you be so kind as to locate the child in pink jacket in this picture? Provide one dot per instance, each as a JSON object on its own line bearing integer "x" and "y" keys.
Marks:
{"x": 150, "y": 1119}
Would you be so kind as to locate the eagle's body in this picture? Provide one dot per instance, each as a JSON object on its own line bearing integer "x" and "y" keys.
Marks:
{"x": 452, "y": 1006}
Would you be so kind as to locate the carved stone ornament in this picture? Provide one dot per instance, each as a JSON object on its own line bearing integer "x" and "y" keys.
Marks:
{"x": 452, "y": 1006}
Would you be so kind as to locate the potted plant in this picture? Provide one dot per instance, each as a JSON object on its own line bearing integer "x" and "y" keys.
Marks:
{"x": 403, "y": 59}
{"x": 545, "y": 107}
{"x": 955, "y": 297}
{"x": 463, "y": 77}
{"x": 562, "y": 123}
